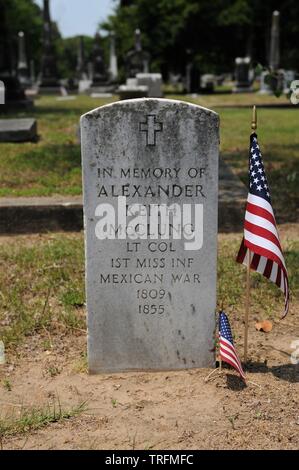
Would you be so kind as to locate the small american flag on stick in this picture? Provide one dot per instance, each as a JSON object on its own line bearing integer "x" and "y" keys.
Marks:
{"x": 261, "y": 240}
{"x": 227, "y": 350}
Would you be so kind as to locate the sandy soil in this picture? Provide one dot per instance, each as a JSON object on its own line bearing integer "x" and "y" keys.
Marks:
{"x": 164, "y": 410}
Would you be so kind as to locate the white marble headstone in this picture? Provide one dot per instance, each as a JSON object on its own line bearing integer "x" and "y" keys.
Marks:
{"x": 150, "y": 174}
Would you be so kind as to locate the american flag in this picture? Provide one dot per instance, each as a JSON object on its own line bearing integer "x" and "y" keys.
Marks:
{"x": 227, "y": 349}
{"x": 261, "y": 240}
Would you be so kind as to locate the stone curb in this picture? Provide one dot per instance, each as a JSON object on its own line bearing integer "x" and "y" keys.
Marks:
{"x": 53, "y": 214}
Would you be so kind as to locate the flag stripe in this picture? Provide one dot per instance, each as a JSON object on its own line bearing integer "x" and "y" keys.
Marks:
{"x": 268, "y": 268}
{"x": 227, "y": 350}
{"x": 255, "y": 261}
{"x": 262, "y": 203}
{"x": 227, "y": 358}
{"x": 230, "y": 350}
{"x": 261, "y": 238}
{"x": 262, "y": 264}
{"x": 265, "y": 253}
{"x": 260, "y": 222}
{"x": 260, "y": 211}
{"x": 273, "y": 275}
{"x": 262, "y": 232}
{"x": 272, "y": 250}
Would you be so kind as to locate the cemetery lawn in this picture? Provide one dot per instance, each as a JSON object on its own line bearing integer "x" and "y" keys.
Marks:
{"x": 52, "y": 167}
{"x": 47, "y": 400}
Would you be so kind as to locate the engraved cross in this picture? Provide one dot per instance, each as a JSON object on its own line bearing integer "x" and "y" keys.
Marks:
{"x": 151, "y": 127}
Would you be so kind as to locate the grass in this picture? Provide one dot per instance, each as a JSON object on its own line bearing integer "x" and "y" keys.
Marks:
{"x": 279, "y": 141}
{"x": 42, "y": 286}
{"x": 266, "y": 298}
{"x": 32, "y": 419}
{"x": 53, "y": 167}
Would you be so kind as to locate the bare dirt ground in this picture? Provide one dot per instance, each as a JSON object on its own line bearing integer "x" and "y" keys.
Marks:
{"x": 164, "y": 410}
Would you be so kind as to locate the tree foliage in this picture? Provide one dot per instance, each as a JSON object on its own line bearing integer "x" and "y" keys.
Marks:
{"x": 214, "y": 31}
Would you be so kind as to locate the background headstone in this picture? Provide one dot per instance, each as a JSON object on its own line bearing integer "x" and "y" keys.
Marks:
{"x": 100, "y": 76}
{"x": 153, "y": 82}
{"x": 242, "y": 72}
{"x": 132, "y": 90}
{"x": 14, "y": 93}
{"x": 18, "y": 130}
{"x": 207, "y": 83}
{"x": 151, "y": 302}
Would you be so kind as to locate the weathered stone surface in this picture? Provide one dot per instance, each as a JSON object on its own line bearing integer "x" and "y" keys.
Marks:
{"x": 18, "y": 130}
{"x": 151, "y": 300}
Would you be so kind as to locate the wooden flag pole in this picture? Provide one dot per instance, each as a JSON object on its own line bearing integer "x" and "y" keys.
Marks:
{"x": 247, "y": 305}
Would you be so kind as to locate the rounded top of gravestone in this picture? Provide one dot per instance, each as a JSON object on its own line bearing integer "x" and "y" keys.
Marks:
{"x": 242, "y": 60}
{"x": 149, "y": 103}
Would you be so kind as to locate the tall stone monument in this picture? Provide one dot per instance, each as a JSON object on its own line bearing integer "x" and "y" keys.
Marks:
{"x": 23, "y": 69}
{"x": 192, "y": 75}
{"x": 81, "y": 62}
{"x": 150, "y": 173}
{"x": 274, "y": 56}
{"x": 137, "y": 60}
{"x": 113, "y": 66}
{"x": 275, "y": 79}
{"x": 49, "y": 82}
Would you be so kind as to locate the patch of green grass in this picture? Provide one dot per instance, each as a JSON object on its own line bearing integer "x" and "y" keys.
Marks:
{"x": 223, "y": 97}
{"x": 53, "y": 165}
{"x": 42, "y": 284}
{"x": 73, "y": 298}
{"x": 32, "y": 419}
{"x": 265, "y": 296}
{"x": 279, "y": 141}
